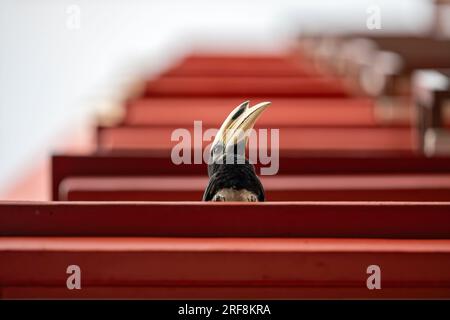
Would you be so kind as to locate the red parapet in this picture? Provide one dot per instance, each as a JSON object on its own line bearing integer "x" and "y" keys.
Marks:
{"x": 412, "y": 220}
{"x": 160, "y": 164}
{"x": 241, "y": 65}
{"x": 284, "y": 112}
{"x": 223, "y": 268}
{"x": 393, "y": 187}
{"x": 318, "y": 86}
{"x": 290, "y": 139}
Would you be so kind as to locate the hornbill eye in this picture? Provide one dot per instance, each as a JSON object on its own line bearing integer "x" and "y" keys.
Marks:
{"x": 218, "y": 197}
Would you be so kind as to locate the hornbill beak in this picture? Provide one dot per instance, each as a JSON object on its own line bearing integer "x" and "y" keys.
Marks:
{"x": 235, "y": 180}
{"x": 236, "y": 127}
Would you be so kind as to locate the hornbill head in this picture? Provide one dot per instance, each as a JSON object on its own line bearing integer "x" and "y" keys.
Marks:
{"x": 231, "y": 176}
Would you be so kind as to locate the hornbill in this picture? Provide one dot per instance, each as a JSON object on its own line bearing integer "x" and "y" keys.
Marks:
{"x": 231, "y": 176}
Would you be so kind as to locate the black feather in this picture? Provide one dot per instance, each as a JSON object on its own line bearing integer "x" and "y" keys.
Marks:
{"x": 236, "y": 175}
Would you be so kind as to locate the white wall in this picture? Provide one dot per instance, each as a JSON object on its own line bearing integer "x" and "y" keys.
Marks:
{"x": 52, "y": 75}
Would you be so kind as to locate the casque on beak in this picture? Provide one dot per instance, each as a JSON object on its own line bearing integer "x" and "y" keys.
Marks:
{"x": 235, "y": 129}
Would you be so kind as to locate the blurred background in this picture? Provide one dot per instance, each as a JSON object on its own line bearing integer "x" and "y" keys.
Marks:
{"x": 65, "y": 64}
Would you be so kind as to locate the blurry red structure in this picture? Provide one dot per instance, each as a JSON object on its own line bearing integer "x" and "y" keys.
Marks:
{"x": 338, "y": 142}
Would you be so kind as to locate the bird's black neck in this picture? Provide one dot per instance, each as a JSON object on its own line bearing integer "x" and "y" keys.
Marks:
{"x": 235, "y": 172}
